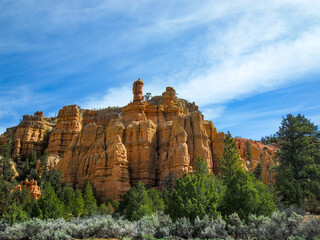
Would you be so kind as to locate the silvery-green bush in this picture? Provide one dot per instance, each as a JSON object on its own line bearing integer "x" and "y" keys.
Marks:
{"x": 215, "y": 229}
{"x": 279, "y": 226}
{"x": 237, "y": 227}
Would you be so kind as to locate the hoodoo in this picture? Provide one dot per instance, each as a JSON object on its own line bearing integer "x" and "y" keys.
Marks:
{"x": 115, "y": 148}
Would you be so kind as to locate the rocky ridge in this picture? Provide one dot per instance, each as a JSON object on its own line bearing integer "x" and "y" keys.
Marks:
{"x": 114, "y": 148}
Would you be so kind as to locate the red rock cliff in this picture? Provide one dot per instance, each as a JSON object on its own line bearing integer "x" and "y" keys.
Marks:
{"x": 149, "y": 141}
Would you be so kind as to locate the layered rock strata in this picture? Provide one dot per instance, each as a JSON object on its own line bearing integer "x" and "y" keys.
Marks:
{"x": 260, "y": 153}
{"x": 146, "y": 142}
{"x": 31, "y": 133}
{"x": 115, "y": 148}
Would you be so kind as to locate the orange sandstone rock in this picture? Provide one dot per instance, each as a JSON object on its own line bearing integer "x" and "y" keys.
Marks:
{"x": 32, "y": 187}
{"x": 30, "y": 133}
{"x": 146, "y": 141}
{"x": 149, "y": 141}
{"x": 261, "y": 153}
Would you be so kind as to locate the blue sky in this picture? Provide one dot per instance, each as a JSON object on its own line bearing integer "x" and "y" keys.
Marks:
{"x": 246, "y": 63}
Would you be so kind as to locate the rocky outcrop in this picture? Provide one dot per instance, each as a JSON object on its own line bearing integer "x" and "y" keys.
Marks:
{"x": 32, "y": 187}
{"x": 145, "y": 141}
{"x": 260, "y": 153}
{"x": 149, "y": 141}
{"x": 13, "y": 167}
{"x": 68, "y": 125}
{"x": 31, "y": 133}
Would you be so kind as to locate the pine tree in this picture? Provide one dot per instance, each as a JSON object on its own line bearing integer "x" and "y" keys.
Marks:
{"x": 7, "y": 172}
{"x": 6, "y": 149}
{"x": 194, "y": 195}
{"x": 245, "y": 195}
{"x": 15, "y": 213}
{"x": 90, "y": 202}
{"x": 49, "y": 203}
{"x": 54, "y": 177}
{"x": 136, "y": 203}
{"x": 106, "y": 209}
{"x": 44, "y": 164}
{"x": 5, "y": 193}
{"x": 248, "y": 151}
{"x": 68, "y": 198}
{"x": 156, "y": 201}
{"x": 258, "y": 171}
{"x": 298, "y": 173}
{"x": 5, "y": 152}
{"x": 230, "y": 162}
{"x": 35, "y": 209}
{"x": 78, "y": 204}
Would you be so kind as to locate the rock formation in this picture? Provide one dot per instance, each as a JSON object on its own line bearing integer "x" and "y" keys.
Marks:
{"x": 260, "y": 153}
{"x": 115, "y": 148}
{"x": 30, "y": 134}
{"x": 32, "y": 187}
{"x": 144, "y": 142}
{"x": 12, "y": 166}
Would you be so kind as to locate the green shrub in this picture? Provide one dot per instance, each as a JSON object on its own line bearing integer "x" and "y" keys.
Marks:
{"x": 195, "y": 195}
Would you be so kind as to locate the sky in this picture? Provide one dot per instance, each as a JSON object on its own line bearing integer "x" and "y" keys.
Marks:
{"x": 246, "y": 63}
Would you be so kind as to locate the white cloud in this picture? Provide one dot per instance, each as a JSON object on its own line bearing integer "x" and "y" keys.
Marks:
{"x": 213, "y": 112}
{"x": 244, "y": 47}
{"x": 263, "y": 70}
{"x": 261, "y": 46}
{"x": 2, "y": 130}
{"x": 119, "y": 96}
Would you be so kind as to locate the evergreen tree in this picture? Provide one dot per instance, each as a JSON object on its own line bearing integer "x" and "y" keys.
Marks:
{"x": 90, "y": 202}
{"x": 32, "y": 157}
{"x": 68, "y": 198}
{"x": 24, "y": 199}
{"x": 106, "y": 209}
{"x": 29, "y": 170}
{"x": 54, "y": 177}
{"x": 35, "y": 209}
{"x": 248, "y": 151}
{"x": 298, "y": 173}
{"x": 78, "y": 204}
{"x": 6, "y": 149}
{"x": 156, "y": 201}
{"x": 5, "y": 152}
{"x": 230, "y": 162}
{"x": 44, "y": 165}
{"x": 6, "y": 171}
{"x": 194, "y": 195}
{"x": 5, "y": 192}
{"x": 15, "y": 213}
{"x": 245, "y": 195}
{"x": 258, "y": 171}
{"x": 136, "y": 203}
{"x": 49, "y": 203}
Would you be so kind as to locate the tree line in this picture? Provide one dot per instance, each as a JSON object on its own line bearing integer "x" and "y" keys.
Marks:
{"x": 195, "y": 195}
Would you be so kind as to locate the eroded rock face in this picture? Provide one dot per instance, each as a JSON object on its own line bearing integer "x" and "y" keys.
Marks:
{"x": 30, "y": 134}
{"x": 149, "y": 141}
{"x": 146, "y": 142}
{"x": 260, "y": 153}
{"x": 32, "y": 186}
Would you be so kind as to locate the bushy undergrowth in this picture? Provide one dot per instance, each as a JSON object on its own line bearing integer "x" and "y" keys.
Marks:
{"x": 280, "y": 225}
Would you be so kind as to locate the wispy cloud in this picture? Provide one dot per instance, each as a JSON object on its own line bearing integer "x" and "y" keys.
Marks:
{"x": 247, "y": 48}
{"x": 211, "y": 52}
{"x": 114, "y": 97}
